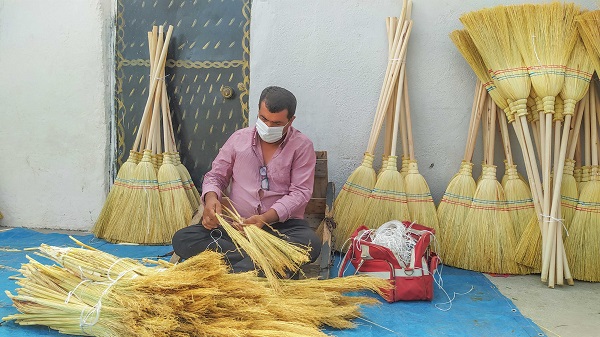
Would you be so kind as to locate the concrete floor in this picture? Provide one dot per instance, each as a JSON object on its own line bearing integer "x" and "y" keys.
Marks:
{"x": 565, "y": 311}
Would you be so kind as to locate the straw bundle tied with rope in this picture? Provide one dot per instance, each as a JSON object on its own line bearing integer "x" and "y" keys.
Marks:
{"x": 350, "y": 202}
{"x": 97, "y": 294}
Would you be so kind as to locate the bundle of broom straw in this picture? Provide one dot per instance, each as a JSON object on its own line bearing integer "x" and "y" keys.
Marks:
{"x": 198, "y": 296}
{"x": 349, "y": 205}
{"x": 272, "y": 255}
{"x": 152, "y": 197}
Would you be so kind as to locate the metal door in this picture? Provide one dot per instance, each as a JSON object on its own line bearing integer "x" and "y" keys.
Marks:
{"x": 208, "y": 59}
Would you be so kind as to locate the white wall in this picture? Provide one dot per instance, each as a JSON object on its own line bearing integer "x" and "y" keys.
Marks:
{"x": 56, "y": 85}
{"x": 333, "y": 54}
{"x": 55, "y": 88}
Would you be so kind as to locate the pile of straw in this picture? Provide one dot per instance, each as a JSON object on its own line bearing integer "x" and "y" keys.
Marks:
{"x": 121, "y": 297}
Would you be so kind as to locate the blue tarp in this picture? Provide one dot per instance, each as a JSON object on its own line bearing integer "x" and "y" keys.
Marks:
{"x": 483, "y": 311}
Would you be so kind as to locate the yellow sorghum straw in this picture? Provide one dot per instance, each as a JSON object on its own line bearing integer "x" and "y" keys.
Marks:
{"x": 197, "y": 295}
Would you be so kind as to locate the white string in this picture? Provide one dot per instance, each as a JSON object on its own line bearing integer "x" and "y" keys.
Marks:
{"x": 84, "y": 319}
{"x": 395, "y": 236}
{"x": 380, "y": 326}
{"x": 440, "y": 286}
{"x": 535, "y": 50}
{"x": 72, "y": 292}
{"x": 553, "y": 219}
{"x": 215, "y": 239}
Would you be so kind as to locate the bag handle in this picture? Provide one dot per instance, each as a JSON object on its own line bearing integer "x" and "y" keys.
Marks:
{"x": 345, "y": 261}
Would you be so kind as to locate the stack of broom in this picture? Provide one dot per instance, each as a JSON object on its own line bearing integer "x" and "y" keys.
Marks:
{"x": 371, "y": 199}
{"x": 92, "y": 293}
{"x": 548, "y": 75}
{"x": 153, "y": 195}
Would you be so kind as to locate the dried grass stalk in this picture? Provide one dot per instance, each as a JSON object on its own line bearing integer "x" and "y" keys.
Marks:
{"x": 198, "y": 295}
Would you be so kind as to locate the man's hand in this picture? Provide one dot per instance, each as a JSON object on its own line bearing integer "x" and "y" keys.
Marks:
{"x": 212, "y": 207}
{"x": 256, "y": 220}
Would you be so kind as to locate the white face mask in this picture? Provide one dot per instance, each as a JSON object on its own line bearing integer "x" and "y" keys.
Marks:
{"x": 269, "y": 134}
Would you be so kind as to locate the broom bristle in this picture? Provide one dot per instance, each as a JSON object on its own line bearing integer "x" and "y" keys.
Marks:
{"x": 388, "y": 198}
{"x": 518, "y": 199}
{"x": 487, "y": 241}
{"x": 490, "y": 31}
{"x": 349, "y": 204}
{"x": 581, "y": 245}
{"x": 176, "y": 205}
{"x": 404, "y": 167}
{"x": 145, "y": 224}
{"x": 589, "y": 30}
{"x": 420, "y": 203}
{"x": 578, "y": 75}
{"x": 529, "y": 249}
{"x": 453, "y": 209}
{"x": 116, "y": 194}
{"x": 545, "y": 35}
{"x": 569, "y": 193}
{"x": 187, "y": 182}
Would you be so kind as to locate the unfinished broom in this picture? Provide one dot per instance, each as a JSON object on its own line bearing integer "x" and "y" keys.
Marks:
{"x": 182, "y": 300}
{"x": 349, "y": 204}
{"x": 272, "y": 255}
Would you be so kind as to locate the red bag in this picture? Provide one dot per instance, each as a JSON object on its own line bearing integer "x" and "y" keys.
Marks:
{"x": 412, "y": 281}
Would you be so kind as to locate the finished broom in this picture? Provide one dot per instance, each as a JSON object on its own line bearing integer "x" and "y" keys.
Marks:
{"x": 452, "y": 209}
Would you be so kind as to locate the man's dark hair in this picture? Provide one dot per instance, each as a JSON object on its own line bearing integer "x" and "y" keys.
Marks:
{"x": 278, "y": 99}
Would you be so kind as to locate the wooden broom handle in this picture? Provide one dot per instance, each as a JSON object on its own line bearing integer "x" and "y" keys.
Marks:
{"x": 398, "y": 108}
{"x": 142, "y": 133}
{"x": 403, "y": 131}
{"x": 384, "y": 86}
{"x": 577, "y": 127}
{"x": 154, "y": 78}
{"x": 387, "y": 91}
{"x": 391, "y": 23}
{"x": 492, "y": 131}
{"x": 505, "y": 138}
{"x": 157, "y": 95}
{"x": 476, "y": 95}
{"x": 477, "y": 122}
{"x": 409, "y": 135}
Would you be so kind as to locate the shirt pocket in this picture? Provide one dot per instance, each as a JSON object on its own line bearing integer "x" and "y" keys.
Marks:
{"x": 282, "y": 178}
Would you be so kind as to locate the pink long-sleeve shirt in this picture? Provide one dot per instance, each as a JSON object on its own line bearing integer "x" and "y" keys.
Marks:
{"x": 290, "y": 173}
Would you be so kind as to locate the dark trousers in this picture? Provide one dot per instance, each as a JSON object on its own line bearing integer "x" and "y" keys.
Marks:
{"x": 194, "y": 239}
